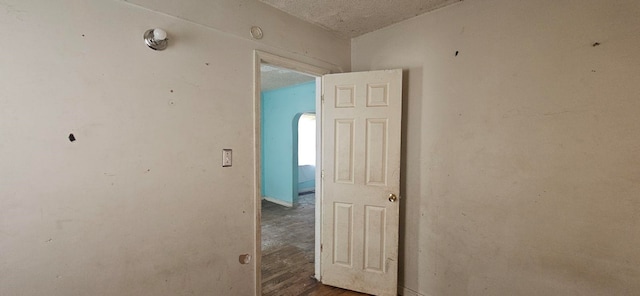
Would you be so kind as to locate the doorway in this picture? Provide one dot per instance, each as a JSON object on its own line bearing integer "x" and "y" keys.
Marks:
{"x": 305, "y": 155}
{"x": 363, "y": 131}
{"x": 308, "y": 204}
{"x": 285, "y": 97}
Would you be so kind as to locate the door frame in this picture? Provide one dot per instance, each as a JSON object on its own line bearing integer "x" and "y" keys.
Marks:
{"x": 264, "y": 57}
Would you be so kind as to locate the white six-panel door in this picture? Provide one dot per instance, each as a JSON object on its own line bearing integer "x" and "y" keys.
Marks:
{"x": 361, "y": 127}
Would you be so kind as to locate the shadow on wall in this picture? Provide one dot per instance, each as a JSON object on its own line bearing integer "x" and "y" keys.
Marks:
{"x": 410, "y": 171}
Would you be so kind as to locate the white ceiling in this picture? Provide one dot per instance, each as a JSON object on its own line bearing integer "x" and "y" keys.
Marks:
{"x": 272, "y": 77}
{"x": 352, "y": 18}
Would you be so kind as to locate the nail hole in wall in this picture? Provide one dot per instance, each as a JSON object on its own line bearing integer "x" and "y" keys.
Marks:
{"x": 72, "y": 137}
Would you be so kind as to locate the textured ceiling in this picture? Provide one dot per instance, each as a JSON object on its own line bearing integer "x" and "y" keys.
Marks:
{"x": 352, "y": 18}
{"x": 272, "y": 77}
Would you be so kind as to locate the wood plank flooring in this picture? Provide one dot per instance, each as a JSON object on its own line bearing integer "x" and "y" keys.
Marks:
{"x": 288, "y": 251}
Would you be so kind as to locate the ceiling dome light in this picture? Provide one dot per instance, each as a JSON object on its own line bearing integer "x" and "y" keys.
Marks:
{"x": 156, "y": 39}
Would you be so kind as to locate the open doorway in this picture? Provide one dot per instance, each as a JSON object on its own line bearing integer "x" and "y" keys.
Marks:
{"x": 285, "y": 97}
{"x": 374, "y": 201}
{"x": 288, "y": 155}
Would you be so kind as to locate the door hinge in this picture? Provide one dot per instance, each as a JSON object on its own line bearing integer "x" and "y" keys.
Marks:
{"x": 322, "y": 98}
{"x": 322, "y": 174}
{"x": 321, "y": 245}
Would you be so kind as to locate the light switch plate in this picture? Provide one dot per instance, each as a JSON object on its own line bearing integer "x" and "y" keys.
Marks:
{"x": 226, "y": 157}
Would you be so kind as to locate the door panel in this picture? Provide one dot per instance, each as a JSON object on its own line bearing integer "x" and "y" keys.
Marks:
{"x": 343, "y": 155}
{"x": 343, "y": 234}
{"x": 374, "y": 238}
{"x": 376, "y": 151}
{"x": 361, "y": 163}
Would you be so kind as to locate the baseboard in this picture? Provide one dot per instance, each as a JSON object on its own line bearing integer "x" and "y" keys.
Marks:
{"x": 277, "y": 201}
{"x": 307, "y": 191}
{"x": 408, "y": 292}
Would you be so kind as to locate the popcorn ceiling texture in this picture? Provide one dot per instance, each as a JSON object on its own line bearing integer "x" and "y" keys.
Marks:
{"x": 354, "y": 18}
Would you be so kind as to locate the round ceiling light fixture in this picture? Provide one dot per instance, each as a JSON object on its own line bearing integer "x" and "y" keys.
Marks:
{"x": 156, "y": 39}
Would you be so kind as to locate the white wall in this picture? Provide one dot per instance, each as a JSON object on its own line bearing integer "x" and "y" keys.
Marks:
{"x": 139, "y": 204}
{"x": 522, "y": 167}
{"x": 281, "y": 30}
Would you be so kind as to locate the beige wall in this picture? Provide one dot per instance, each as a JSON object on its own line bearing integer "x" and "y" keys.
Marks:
{"x": 523, "y": 171}
{"x": 281, "y": 30}
{"x": 139, "y": 204}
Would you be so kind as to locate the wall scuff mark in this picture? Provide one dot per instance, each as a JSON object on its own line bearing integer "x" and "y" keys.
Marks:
{"x": 244, "y": 258}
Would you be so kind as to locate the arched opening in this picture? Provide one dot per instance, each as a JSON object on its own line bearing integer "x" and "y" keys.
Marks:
{"x": 304, "y": 157}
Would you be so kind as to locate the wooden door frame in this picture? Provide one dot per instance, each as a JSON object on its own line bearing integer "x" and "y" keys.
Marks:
{"x": 317, "y": 71}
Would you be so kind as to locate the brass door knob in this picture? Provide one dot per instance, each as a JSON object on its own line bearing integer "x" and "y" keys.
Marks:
{"x": 393, "y": 197}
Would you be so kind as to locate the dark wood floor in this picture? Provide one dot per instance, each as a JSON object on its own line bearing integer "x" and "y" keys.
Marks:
{"x": 288, "y": 250}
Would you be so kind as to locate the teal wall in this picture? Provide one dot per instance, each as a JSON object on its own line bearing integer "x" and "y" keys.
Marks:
{"x": 280, "y": 110}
